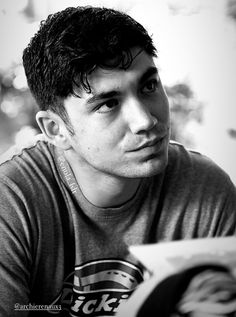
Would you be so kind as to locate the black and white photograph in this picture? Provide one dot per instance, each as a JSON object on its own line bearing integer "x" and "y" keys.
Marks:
{"x": 118, "y": 158}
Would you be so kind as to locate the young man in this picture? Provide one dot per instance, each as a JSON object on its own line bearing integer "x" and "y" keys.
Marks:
{"x": 103, "y": 175}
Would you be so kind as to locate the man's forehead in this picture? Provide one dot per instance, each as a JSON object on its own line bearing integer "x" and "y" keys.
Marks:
{"x": 142, "y": 66}
{"x": 107, "y": 83}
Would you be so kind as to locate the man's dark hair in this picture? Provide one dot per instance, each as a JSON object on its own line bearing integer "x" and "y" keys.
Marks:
{"x": 70, "y": 44}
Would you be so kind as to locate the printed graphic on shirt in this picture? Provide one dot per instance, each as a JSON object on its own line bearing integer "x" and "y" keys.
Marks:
{"x": 97, "y": 288}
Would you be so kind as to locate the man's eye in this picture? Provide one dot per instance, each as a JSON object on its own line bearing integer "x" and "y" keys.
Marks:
{"x": 108, "y": 106}
{"x": 150, "y": 86}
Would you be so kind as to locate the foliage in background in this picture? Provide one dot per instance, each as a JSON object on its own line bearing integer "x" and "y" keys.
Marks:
{"x": 186, "y": 112}
{"x": 17, "y": 109}
{"x": 231, "y": 10}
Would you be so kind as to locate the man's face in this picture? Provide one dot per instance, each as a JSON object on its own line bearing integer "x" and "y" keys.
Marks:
{"x": 122, "y": 127}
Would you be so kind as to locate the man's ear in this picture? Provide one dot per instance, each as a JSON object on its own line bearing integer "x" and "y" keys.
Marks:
{"x": 53, "y": 128}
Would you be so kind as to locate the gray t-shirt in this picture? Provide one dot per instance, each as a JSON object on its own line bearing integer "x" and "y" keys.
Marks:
{"x": 57, "y": 248}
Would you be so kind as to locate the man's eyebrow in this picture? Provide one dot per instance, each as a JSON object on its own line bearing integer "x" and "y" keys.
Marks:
{"x": 148, "y": 73}
{"x": 103, "y": 95}
{"x": 115, "y": 93}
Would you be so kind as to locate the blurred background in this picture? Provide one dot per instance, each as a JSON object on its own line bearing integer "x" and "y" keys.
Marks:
{"x": 196, "y": 42}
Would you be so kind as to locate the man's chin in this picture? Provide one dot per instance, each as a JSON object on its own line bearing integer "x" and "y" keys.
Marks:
{"x": 147, "y": 169}
{"x": 154, "y": 170}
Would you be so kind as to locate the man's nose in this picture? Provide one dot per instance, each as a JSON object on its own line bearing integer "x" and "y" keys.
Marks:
{"x": 140, "y": 117}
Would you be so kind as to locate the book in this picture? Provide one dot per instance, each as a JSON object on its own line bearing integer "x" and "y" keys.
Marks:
{"x": 168, "y": 258}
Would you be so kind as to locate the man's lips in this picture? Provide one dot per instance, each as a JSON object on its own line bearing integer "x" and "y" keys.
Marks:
{"x": 147, "y": 143}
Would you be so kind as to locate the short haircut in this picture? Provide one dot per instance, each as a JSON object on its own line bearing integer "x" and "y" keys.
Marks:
{"x": 71, "y": 43}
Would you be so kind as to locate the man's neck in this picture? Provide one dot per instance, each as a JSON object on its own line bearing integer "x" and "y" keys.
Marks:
{"x": 100, "y": 189}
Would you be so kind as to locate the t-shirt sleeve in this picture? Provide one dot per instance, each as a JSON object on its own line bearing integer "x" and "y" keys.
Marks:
{"x": 217, "y": 200}
{"x": 15, "y": 252}
{"x": 227, "y": 218}
{"x": 200, "y": 198}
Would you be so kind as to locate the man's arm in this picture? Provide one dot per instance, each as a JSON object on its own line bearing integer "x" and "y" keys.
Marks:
{"x": 15, "y": 252}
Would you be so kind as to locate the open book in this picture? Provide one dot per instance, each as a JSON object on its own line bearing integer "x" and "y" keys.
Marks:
{"x": 167, "y": 258}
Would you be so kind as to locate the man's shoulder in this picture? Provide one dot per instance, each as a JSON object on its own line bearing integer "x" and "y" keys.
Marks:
{"x": 195, "y": 168}
{"x": 28, "y": 176}
{"x": 178, "y": 153}
{"x": 181, "y": 150}
{"x": 17, "y": 149}
{"x": 26, "y": 161}
{"x": 194, "y": 165}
